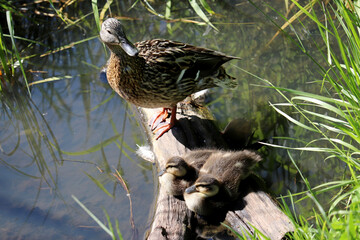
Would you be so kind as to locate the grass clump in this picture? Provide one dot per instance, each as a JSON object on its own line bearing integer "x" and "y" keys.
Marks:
{"x": 331, "y": 116}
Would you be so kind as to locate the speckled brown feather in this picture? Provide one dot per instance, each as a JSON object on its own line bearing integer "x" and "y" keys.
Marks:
{"x": 164, "y": 72}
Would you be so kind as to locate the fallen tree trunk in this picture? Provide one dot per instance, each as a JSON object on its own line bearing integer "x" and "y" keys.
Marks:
{"x": 172, "y": 220}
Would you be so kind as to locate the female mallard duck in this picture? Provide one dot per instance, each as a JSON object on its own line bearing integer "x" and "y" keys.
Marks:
{"x": 218, "y": 181}
{"x": 181, "y": 172}
{"x": 160, "y": 73}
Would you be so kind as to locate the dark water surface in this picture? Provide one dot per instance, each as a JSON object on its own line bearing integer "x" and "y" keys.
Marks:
{"x": 69, "y": 129}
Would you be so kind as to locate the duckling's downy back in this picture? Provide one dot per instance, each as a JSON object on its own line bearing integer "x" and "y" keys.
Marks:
{"x": 230, "y": 167}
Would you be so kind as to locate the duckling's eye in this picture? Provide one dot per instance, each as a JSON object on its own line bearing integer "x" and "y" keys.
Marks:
{"x": 208, "y": 189}
{"x": 171, "y": 166}
{"x": 203, "y": 188}
{"x": 109, "y": 31}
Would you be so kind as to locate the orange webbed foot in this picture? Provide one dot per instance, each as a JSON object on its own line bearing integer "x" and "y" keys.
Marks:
{"x": 163, "y": 128}
{"x": 158, "y": 118}
{"x": 159, "y": 123}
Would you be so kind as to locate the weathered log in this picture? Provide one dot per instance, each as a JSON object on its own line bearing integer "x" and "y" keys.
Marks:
{"x": 172, "y": 220}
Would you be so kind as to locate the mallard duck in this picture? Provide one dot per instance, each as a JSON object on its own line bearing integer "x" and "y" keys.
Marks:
{"x": 181, "y": 172}
{"x": 160, "y": 73}
{"x": 218, "y": 181}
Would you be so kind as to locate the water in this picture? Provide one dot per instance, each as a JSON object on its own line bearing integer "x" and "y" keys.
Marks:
{"x": 51, "y": 143}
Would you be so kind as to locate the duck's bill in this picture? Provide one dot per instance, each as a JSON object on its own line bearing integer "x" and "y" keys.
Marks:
{"x": 128, "y": 47}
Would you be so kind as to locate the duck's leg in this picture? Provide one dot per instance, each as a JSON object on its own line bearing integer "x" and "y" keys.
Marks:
{"x": 167, "y": 126}
{"x": 158, "y": 118}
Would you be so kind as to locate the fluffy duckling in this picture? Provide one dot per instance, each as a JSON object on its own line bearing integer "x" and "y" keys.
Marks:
{"x": 181, "y": 172}
{"x": 218, "y": 181}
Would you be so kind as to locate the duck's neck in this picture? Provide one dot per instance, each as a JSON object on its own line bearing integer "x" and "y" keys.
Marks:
{"x": 124, "y": 59}
{"x": 122, "y": 69}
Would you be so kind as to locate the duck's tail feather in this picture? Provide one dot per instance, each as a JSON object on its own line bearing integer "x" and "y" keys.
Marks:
{"x": 224, "y": 80}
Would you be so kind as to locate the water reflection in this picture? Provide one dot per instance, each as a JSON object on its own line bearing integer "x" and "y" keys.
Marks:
{"x": 77, "y": 125}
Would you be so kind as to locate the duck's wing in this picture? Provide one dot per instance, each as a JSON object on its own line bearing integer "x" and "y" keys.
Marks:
{"x": 181, "y": 59}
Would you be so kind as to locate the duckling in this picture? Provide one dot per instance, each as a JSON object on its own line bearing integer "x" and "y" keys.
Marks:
{"x": 217, "y": 184}
{"x": 160, "y": 73}
{"x": 207, "y": 196}
{"x": 181, "y": 172}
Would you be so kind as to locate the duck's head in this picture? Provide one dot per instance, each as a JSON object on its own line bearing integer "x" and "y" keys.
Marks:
{"x": 112, "y": 34}
{"x": 175, "y": 166}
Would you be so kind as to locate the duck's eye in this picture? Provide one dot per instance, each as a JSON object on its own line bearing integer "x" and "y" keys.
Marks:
{"x": 109, "y": 32}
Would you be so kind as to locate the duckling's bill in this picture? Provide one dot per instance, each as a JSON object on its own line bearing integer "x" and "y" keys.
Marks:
{"x": 161, "y": 172}
{"x": 191, "y": 189}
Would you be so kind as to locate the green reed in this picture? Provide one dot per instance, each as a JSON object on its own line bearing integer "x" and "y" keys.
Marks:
{"x": 114, "y": 233}
{"x": 331, "y": 116}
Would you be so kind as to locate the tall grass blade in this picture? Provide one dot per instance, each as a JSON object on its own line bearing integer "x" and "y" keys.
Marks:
{"x": 291, "y": 119}
{"x": 109, "y": 223}
{"x": 57, "y": 12}
{"x": 289, "y": 21}
{"x": 51, "y": 79}
{"x": 118, "y": 230}
{"x": 3, "y": 56}
{"x": 168, "y": 15}
{"x": 96, "y": 14}
{"x": 104, "y": 9}
{"x": 107, "y": 230}
{"x": 68, "y": 46}
{"x": 207, "y": 7}
{"x": 200, "y": 13}
{"x": 151, "y": 9}
{"x": 94, "y": 148}
{"x": 238, "y": 235}
{"x": 11, "y": 31}
{"x": 133, "y": 5}
{"x": 99, "y": 184}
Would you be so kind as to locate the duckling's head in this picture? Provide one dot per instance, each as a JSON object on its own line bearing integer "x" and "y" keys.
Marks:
{"x": 176, "y": 166}
{"x": 177, "y": 176}
{"x": 204, "y": 187}
{"x": 204, "y": 196}
{"x": 112, "y": 34}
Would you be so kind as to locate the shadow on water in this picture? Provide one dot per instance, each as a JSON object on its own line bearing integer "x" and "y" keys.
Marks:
{"x": 71, "y": 135}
